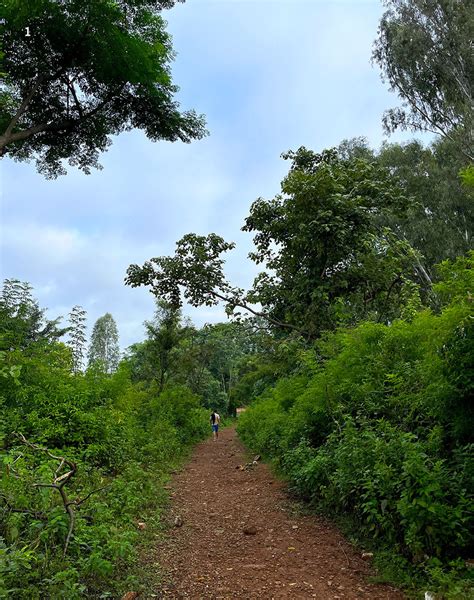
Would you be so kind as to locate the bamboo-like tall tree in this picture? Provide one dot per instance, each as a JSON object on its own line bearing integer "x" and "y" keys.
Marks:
{"x": 77, "y": 337}
{"x": 104, "y": 348}
{"x": 22, "y": 321}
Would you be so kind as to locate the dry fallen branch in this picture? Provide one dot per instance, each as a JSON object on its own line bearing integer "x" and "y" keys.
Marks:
{"x": 59, "y": 482}
{"x": 344, "y": 552}
{"x": 36, "y": 514}
{"x": 249, "y": 465}
{"x": 11, "y": 472}
{"x": 79, "y": 502}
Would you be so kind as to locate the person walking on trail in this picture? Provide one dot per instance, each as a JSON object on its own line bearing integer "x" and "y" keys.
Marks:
{"x": 215, "y": 420}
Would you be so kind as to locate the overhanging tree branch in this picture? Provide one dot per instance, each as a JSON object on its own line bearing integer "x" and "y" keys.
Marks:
{"x": 75, "y": 62}
{"x": 268, "y": 318}
{"x": 66, "y": 125}
{"x": 23, "y": 107}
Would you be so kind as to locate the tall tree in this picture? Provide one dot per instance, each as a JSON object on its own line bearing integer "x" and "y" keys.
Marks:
{"x": 439, "y": 222}
{"x": 327, "y": 259}
{"x": 425, "y": 52}
{"x": 22, "y": 321}
{"x": 104, "y": 348}
{"x": 80, "y": 71}
{"x": 77, "y": 337}
{"x": 164, "y": 333}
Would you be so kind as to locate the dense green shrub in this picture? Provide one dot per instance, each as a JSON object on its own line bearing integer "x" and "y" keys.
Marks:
{"x": 83, "y": 455}
{"x": 123, "y": 438}
{"x": 379, "y": 425}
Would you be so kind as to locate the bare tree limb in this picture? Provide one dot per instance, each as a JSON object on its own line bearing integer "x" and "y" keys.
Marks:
{"x": 438, "y": 129}
{"x": 76, "y": 100}
{"x": 10, "y": 137}
{"x": 263, "y": 315}
{"x": 58, "y": 484}
{"x": 79, "y": 502}
{"x": 36, "y": 514}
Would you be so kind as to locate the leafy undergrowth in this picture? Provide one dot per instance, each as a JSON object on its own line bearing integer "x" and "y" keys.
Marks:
{"x": 375, "y": 428}
{"x": 121, "y": 442}
{"x": 85, "y": 455}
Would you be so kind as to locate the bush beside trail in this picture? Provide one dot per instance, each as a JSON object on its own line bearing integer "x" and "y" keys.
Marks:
{"x": 376, "y": 426}
{"x": 124, "y": 441}
{"x": 84, "y": 456}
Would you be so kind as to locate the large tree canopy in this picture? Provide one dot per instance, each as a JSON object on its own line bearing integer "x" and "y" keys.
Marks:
{"x": 327, "y": 258}
{"x": 440, "y": 222}
{"x": 76, "y": 72}
{"x": 425, "y": 52}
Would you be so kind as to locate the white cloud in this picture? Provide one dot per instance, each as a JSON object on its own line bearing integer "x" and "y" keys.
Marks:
{"x": 53, "y": 245}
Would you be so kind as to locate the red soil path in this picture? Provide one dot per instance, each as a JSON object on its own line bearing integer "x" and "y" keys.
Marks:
{"x": 290, "y": 555}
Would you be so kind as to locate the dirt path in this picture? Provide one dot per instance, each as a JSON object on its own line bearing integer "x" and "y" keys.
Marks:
{"x": 288, "y": 556}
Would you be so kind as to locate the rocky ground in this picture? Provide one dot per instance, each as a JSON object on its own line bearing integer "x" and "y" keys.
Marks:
{"x": 236, "y": 535}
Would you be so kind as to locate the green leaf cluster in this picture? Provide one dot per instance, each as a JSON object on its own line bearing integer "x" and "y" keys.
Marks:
{"x": 89, "y": 70}
{"x": 376, "y": 423}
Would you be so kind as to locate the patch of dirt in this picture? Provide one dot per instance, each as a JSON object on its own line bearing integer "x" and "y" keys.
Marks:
{"x": 236, "y": 538}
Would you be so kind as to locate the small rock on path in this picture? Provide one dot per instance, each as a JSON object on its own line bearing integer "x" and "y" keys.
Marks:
{"x": 212, "y": 556}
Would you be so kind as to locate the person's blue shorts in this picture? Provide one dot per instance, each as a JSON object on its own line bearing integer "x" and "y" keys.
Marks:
{"x": 215, "y": 428}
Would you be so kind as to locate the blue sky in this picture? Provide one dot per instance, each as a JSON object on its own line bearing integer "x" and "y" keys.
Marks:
{"x": 270, "y": 76}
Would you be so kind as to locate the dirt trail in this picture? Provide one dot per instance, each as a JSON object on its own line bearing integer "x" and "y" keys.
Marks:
{"x": 289, "y": 556}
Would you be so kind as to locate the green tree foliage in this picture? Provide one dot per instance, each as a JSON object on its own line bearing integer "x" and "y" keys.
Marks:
{"x": 151, "y": 360}
{"x": 327, "y": 259}
{"x": 77, "y": 337}
{"x": 273, "y": 358}
{"x": 195, "y": 273}
{"x": 467, "y": 176}
{"x": 218, "y": 351}
{"x": 119, "y": 433}
{"x": 376, "y": 423}
{"x": 440, "y": 219}
{"x": 88, "y": 70}
{"x": 104, "y": 350}
{"x": 206, "y": 361}
{"x": 197, "y": 267}
{"x": 22, "y": 322}
{"x": 424, "y": 49}
{"x": 440, "y": 223}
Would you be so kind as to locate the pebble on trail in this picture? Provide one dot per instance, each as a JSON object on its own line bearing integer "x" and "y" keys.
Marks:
{"x": 178, "y": 521}
{"x": 252, "y": 530}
